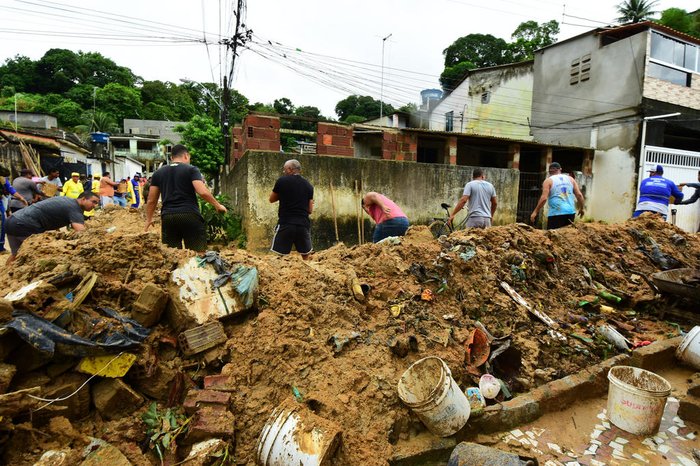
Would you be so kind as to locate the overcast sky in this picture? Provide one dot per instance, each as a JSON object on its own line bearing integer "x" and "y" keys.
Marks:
{"x": 319, "y": 51}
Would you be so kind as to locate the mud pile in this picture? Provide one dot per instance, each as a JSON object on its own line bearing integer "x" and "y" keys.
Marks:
{"x": 309, "y": 338}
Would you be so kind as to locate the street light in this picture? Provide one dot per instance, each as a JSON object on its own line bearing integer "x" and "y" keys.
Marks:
{"x": 381, "y": 90}
{"x": 206, "y": 91}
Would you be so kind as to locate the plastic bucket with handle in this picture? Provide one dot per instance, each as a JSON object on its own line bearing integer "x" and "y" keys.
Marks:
{"x": 636, "y": 399}
{"x": 427, "y": 387}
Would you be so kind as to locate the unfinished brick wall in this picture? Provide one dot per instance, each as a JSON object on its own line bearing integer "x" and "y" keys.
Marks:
{"x": 399, "y": 146}
{"x": 333, "y": 139}
{"x": 260, "y": 132}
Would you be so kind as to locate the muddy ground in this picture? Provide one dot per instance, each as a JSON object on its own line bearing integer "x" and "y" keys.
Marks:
{"x": 343, "y": 357}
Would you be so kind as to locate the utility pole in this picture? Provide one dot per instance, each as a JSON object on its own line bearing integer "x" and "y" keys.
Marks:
{"x": 381, "y": 89}
{"x": 240, "y": 37}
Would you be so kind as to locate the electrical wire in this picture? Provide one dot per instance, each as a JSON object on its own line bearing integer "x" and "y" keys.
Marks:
{"x": 64, "y": 398}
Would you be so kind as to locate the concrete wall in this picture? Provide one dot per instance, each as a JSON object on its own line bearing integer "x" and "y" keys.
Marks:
{"x": 418, "y": 188}
{"x": 29, "y": 120}
{"x": 504, "y": 112}
{"x": 561, "y": 111}
{"x": 614, "y": 190}
{"x": 164, "y": 129}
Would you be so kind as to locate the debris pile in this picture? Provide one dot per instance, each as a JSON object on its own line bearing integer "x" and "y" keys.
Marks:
{"x": 152, "y": 362}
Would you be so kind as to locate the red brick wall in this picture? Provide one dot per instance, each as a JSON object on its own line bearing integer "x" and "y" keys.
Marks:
{"x": 260, "y": 132}
{"x": 334, "y": 139}
{"x": 397, "y": 145}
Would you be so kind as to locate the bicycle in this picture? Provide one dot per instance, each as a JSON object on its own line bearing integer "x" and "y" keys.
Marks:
{"x": 440, "y": 225}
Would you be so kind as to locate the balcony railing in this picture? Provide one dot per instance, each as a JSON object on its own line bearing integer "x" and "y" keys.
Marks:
{"x": 140, "y": 154}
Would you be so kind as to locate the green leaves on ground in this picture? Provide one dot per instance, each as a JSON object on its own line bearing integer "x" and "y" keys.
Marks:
{"x": 163, "y": 429}
{"x": 222, "y": 228}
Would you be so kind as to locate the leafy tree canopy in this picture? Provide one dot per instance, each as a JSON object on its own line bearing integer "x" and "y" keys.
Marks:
{"x": 681, "y": 20}
{"x": 205, "y": 142}
{"x": 635, "y": 11}
{"x": 484, "y": 50}
{"x": 530, "y": 36}
{"x": 363, "y": 106}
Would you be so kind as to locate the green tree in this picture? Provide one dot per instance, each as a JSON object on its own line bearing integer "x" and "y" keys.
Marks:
{"x": 82, "y": 94}
{"x": 119, "y": 101}
{"x": 238, "y": 107}
{"x": 203, "y": 138}
{"x": 681, "y": 20}
{"x": 408, "y": 108}
{"x": 453, "y": 75}
{"x": 470, "y": 52}
{"x": 57, "y": 71}
{"x": 19, "y": 73}
{"x": 68, "y": 113}
{"x": 481, "y": 50}
{"x": 363, "y": 106}
{"x": 283, "y": 106}
{"x": 635, "y": 11}
{"x": 530, "y": 36}
{"x": 97, "y": 70}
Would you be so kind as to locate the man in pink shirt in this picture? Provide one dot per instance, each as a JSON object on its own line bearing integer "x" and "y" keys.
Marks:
{"x": 390, "y": 219}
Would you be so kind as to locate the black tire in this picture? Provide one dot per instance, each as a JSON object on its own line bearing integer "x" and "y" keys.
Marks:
{"x": 439, "y": 228}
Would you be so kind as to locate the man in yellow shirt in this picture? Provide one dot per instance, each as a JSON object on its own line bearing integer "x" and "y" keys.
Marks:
{"x": 73, "y": 187}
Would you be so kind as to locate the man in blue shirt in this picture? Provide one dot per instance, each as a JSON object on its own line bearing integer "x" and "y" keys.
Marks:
{"x": 655, "y": 193}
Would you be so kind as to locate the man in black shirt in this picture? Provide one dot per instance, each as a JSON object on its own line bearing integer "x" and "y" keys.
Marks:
{"x": 51, "y": 214}
{"x": 296, "y": 197}
{"x": 179, "y": 183}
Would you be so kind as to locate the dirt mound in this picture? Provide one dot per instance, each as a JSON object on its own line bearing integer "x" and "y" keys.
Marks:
{"x": 310, "y": 338}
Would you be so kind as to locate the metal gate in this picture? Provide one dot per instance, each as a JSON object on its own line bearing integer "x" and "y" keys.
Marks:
{"x": 528, "y": 194}
{"x": 680, "y": 166}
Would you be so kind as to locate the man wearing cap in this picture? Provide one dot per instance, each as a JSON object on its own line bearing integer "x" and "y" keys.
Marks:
{"x": 50, "y": 214}
{"x": 73, "y": 187}
{"x": 27, "y": 188}
{"x": 560, "y": 192}
{"x": 655, "y": 193}
{"x": 135, "y": 183}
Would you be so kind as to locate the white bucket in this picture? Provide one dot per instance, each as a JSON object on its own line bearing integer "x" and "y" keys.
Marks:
{"x": 636, "y": 399}
{"x": 689, "y": 350}
{"x": 427, "y": 387}
{"x": 287, "y": 439}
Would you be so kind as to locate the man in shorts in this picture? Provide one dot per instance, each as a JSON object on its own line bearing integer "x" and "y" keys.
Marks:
{"x": 480, "y": 197}
{"x": 560, "y": 192}
{"x": 179, "y": 184}
{"x": 296, "y": 197}
{"x": 50, "y": 214}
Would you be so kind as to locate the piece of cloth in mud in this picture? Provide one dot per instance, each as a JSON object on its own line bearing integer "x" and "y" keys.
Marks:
{"x": 48, "y": 337}
{"x": 243, "y": 278}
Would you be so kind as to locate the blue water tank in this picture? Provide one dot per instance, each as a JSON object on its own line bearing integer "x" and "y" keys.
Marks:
{"x": 430, "y": 94}
{"x": 100, "y": 138}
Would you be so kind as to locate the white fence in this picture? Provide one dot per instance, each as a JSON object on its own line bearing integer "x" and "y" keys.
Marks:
{"x": 680, "y": 166}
